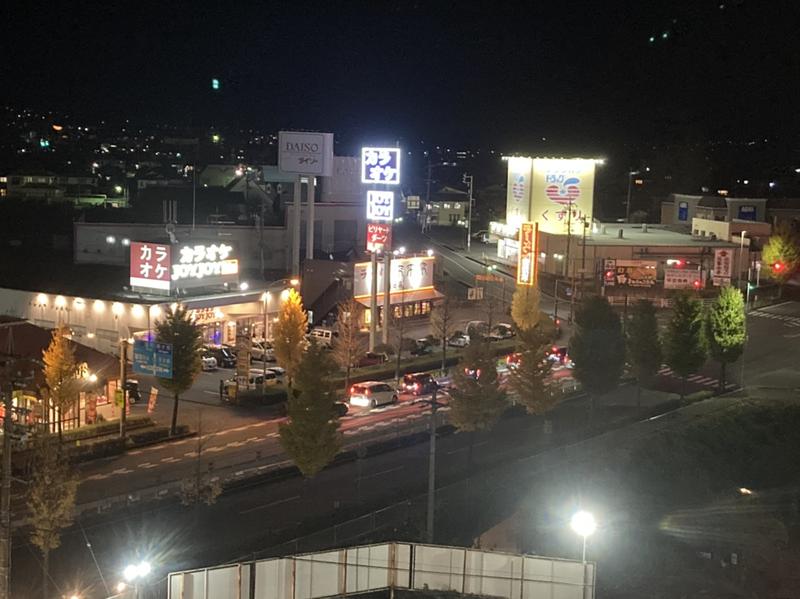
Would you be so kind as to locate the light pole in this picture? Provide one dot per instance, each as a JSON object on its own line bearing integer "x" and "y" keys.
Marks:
{"x": 134, "y": 573}
{"x": 741, "y": 253}
{"x": 431, "y": 507}
{"x": 468, "y": 180}
{"x": 584, "y": 524}
{"x": 631, "y": 174}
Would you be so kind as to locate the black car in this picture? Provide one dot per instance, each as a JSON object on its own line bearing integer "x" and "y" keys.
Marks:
{"x": 132, "y": 387}
{"x": 225, "y": 357}
{"x": 341, "y": 408}
{"x": 418, "y": 383}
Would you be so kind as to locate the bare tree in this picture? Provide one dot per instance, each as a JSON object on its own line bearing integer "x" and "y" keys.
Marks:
{"x": 200, "y": 487}
{"x": 443, "y": 324}
{"x": 349, "y": 346}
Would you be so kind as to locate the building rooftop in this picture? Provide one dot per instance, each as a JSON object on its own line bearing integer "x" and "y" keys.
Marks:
{"x": 655, "y": 235}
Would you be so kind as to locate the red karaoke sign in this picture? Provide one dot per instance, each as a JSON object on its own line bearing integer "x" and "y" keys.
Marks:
{"x": 151, "y": 265}
{"x": 379, "y": 236}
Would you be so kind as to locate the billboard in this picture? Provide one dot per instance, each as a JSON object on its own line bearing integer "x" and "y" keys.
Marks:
{"x": 680, "y": 278}
{"x": 526, "y": 257}
{"x": 561, "y": 185}
{"x": 379, "y": 237}
{"x": 723, "y": 259}
{"x": 407, "y": 274}
{"x": 305, "y": 153}
{"x": 518, "y": 191}
{"x": 380, "y": 165}
{"x": 151, "y": 265}
{"x": 629, "y": 273}
{"x": 380, "y": 205}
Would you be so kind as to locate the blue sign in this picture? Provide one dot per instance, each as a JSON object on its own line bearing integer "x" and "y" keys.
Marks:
{"x": 683, "y": 210}
{"x": 152, "y": 358}
{"x": 747, "y": 213}
{"x": 380, "y": 165}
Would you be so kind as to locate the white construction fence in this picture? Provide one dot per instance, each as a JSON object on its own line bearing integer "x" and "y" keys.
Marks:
{"x": 409, "y": 566}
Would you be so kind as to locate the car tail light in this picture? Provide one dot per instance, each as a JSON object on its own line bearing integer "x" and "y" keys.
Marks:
{"x": 352, "y": 390}
{"x": 367, "y": 392}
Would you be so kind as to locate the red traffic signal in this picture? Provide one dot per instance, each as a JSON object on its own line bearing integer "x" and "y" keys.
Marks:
{"x": 609, "y": 275}
{"x": 697, "y": 283}
{"x": 778, "y": 266}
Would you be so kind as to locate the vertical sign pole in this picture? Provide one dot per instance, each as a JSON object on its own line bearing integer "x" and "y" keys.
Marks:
{"x": 310, "y": 219}
{"x": 387, "y": 287}
{"x": 123, "y": 343}
{"x": 296, "y": 227}
{"x": 373, "y": 300}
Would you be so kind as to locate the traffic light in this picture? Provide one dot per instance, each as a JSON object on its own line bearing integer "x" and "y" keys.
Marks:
{"x": 215, "y": 85}
{"x": 609, "y": 276}
{"x": 697, "y": 283}
{"x": 778, "y": 267}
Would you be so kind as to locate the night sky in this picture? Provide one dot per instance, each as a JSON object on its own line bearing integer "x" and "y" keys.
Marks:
{"x": 577, "y": 72}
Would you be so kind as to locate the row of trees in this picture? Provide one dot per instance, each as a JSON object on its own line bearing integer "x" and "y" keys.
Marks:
{"x": 600, "y": 348}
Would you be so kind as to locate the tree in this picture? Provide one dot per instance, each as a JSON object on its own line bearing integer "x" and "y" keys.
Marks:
{"x": 289, "y": 334}
{"x": 726, "y": 331}
{"x": 476, "y": 400}
{"x": 597, "y": 347}
{"x": 201, "y": 486}
{"x": 644, "y": 345}
{"x": 311, "y": 434}
{"x": 443, "y": 324}
{"x": 782, "y": 254}
{"x": 525, "y": 307}
{"x": 178, "y": 329}
{"x": 60, "y": 373}
{"x": 529, "y": 379}
{"x": 685, "y": 343}
{"x": 349, "y": 346}
{"x": 51, "y": 500}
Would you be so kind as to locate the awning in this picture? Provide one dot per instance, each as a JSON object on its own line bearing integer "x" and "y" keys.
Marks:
{"x": 404, "y": 298}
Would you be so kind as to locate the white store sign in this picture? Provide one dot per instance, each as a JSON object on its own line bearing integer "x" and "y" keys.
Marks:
{"x": 380, "y": 165}
{"x": 380, "y": 205}
{"x": 305, "y": 153}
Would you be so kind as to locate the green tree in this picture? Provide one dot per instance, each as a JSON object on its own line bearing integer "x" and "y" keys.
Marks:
{"x": 311, "y": 434}
{"x": 529, "y": 379}
{"x": 178, "y": 329}
{"x": 289, "y": 334}
{"x": 726, "y": 331}
{"x": 782, "y": 254}
{"x": 51, "y": 500}
{"x": 644, "y": 344}
{"x": 443, "y": 324}
{"x": 349, "y": 345}
{"x": 525, "y": 307}
{"x": 60, "y": 373}
{"x": 476, "y": 400}
{"x": 597, "y": 347}
{"x": 685, "y": 342}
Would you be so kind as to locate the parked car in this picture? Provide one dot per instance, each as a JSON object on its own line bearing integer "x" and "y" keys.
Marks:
{"x": 322, "y": 335}
{"x": 225, "y": 357}
{"x": 258, "y": 377}
{"x": 279, "y": 372}
{"x": 373, "y": 358}
{"x": 481, "y": 236}
{"x": 262, "y": 351}
{"x": 458, "y": 339}
{"x": 418, "y": 383}
{"x": 207, "y": 361}
{"x": 132, "y": 387}
{"x": 560, "y": 355}
{"x": 422, "y": 347}
{"x": 502, "y": 331}
{"x": 341, "y": 408}
{"x": 477, "y": 329}
{"x": 372, "y": 394}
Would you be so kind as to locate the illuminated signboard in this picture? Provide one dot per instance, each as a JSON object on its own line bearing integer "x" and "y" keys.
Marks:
{"x": 518, "y": 191}
{"x": 380, "y": 205}
{"x": 526, "y": 257}
{"x": 204, "y": 264}
{"x": 150, "y": 265}
{"x": 629, "y": 273}
{"x": 379, "y": 236}
{"x": 561, "y": 186}
{"x": 305, "y": 153}
{"x": 380, "y": 165}
{"x": 407, "y": 274}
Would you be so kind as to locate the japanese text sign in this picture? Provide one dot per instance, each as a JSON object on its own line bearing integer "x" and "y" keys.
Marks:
{"x": 526, "y": 259}
{"x": 380, "y": 165}
{"x": 150, "y": 265}
{"x": 379, "y": 236}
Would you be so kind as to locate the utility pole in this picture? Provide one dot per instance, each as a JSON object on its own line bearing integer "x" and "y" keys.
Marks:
{"x": 387, "y": 289}
{"x": 468, "y": 180}
{"x": 123, "y": 344}
{"x": 373, "y": 300}
{"x": 567, "y": 259}
{"x": 429, "y": 521}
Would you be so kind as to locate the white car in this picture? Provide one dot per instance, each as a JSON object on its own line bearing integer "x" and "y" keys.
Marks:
{"x": 458, "y": 340}
{"x": 208, "y": 362}
{"x": 261, "y": 351}
{"x": 372, "y": 394}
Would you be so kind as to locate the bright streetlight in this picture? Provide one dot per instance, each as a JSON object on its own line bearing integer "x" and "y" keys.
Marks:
{"x": 584, "y": 524}
{"x": 135, "y": 571}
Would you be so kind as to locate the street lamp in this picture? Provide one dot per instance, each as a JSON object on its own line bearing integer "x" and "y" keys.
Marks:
{"x": 134, "y": 573}
{"x": 584, "y": 524}
{"x": 631, "y": 175}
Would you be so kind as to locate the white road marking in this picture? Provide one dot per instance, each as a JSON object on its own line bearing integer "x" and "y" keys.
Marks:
{"x": 382, "y": 472}
{"x": 272, "y": 504}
